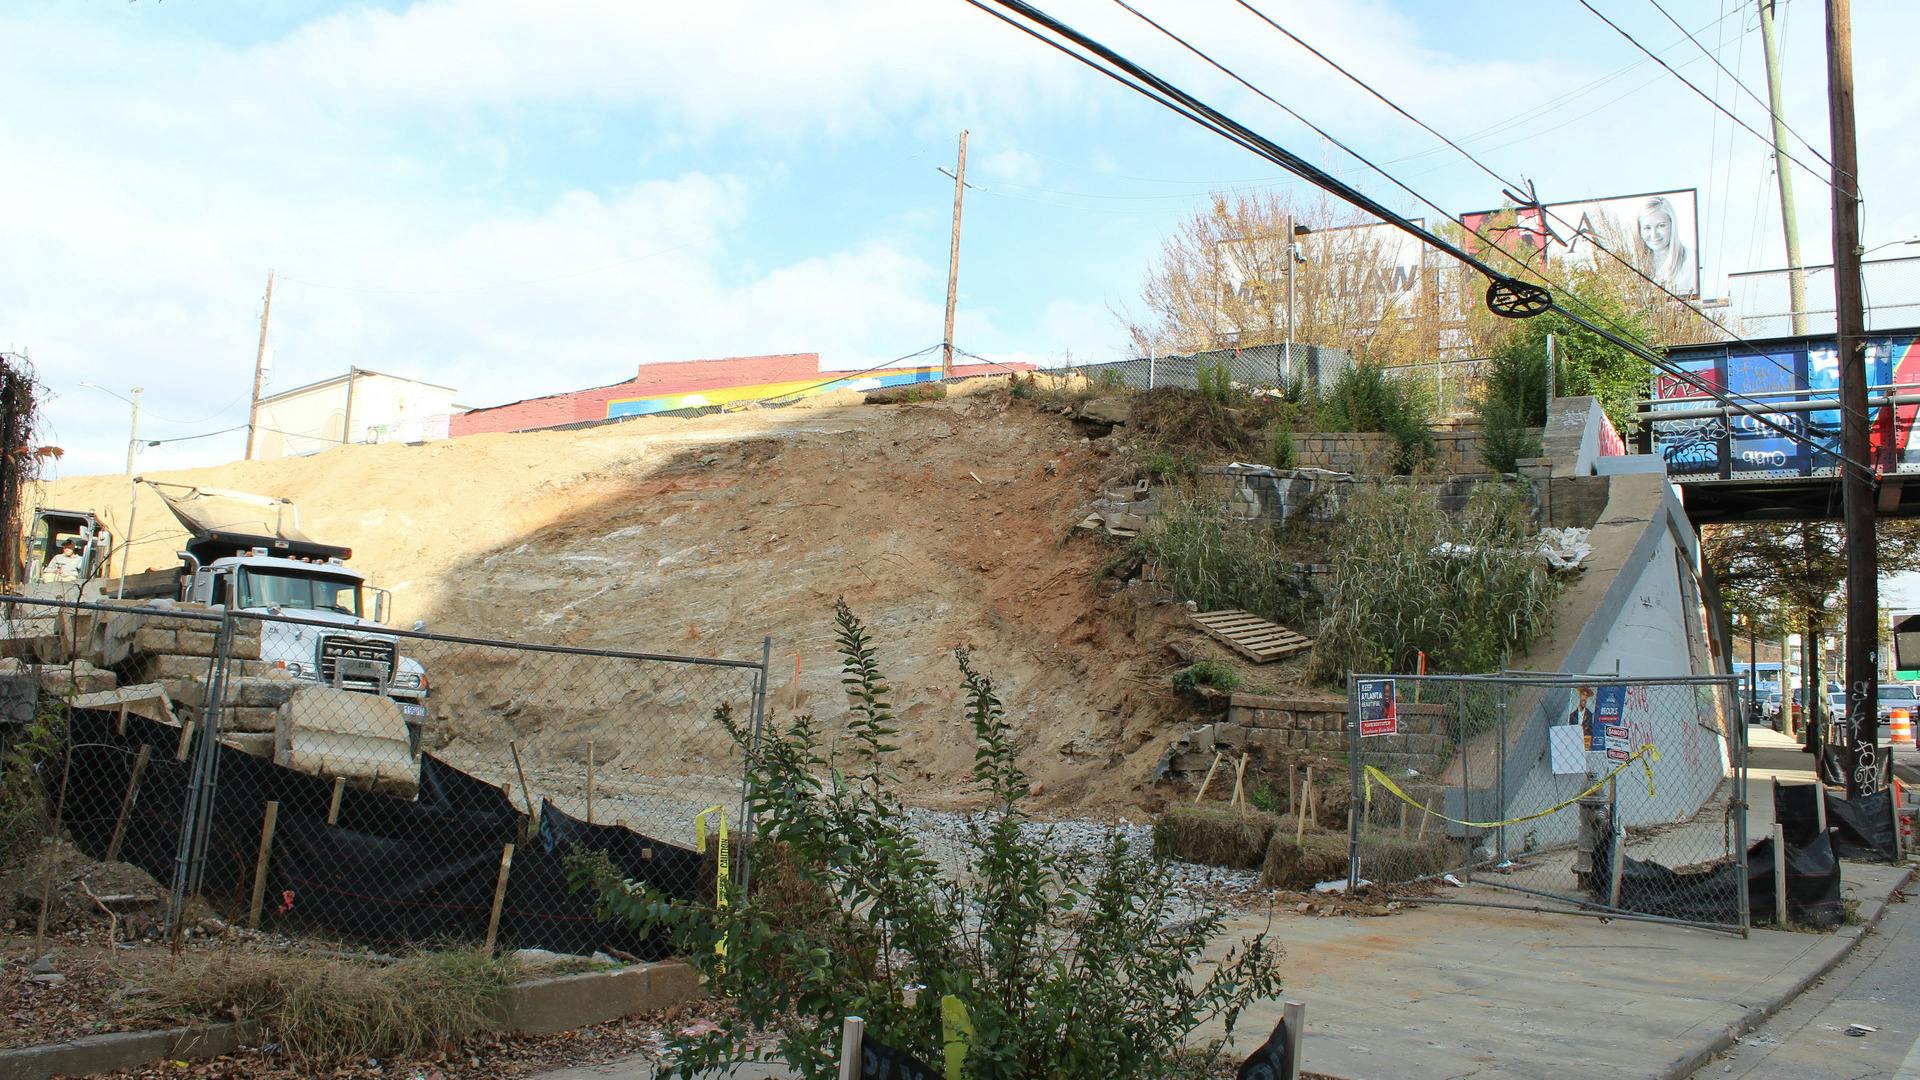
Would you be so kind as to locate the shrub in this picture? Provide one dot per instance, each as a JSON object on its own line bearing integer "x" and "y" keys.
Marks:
{"x": 1512, "y": 405}
{"x": 25, "y": 782}
{"x": 1068, "y": 967}
{"x": 1207, "y": 672}
{"x": 1215, "y": 382}
{"x": 1589, "y": 364}
{"x": 1207, "y": 556}
{"x": 1282, "y": 453}
{"x": 1408, "y": 578}
{"x": 1364, "y": 398}
{"x": 1165, "y": 466}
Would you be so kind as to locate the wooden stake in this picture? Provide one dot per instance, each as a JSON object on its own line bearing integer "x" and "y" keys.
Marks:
{"x": 1239, "y": 785}
{"x": 260, "y": 865}
{"x": 1312, "y": 800}
{"x": 1300, "y": 812}
{"x": 589, "y": 781}
{"x": 499, "y": 897}
{"x": 1403, "y": 817}
{"x": 126, "y": 802}
{"x": 1426, "y": 811}
{"x": 333, "y": 805}
{"x": 120, "y": 726}
{"x": 1820, "y": 804}
{"x": 186, "y": 738}
{"x": 1293, "y": 797}
{"x": 1780, "y": 875}
{"x": 525, "y": 793}
{"x": 1202, "y": 793}
{"x": 853, "y": 1031}
{"x": 1295, "y": 1014}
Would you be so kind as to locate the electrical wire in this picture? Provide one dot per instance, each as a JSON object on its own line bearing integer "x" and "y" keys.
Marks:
{"x": 1127, "y": 73}
{"x": 1766, "y": 105}
{"x": 1708, "y": 98}
{"x": 1545, "y": 211}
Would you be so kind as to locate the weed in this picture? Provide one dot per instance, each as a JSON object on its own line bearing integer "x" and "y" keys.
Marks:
{"x": 325, "y": 1011}
{"x": 1111, "y": 378}
{"x": 1166, "y": 466}
{"x": 1216, "y": 383}
{"x": 1021, "y": 386}
{"x": 1264, "y": 799}
{"x": 1068, "y": 966}
{"x": 1207, "y": 556}
{"x": 1465, "y": 589}
{"x": 24, "y": 774}
{"x": 1192, "y": 421}
{"x": 1208, "y": 672}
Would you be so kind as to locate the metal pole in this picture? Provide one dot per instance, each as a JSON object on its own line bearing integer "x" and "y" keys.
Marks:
{"x": 1153, "y": 356}
{"x": 197, "y": 811}
{"x": 1553, "y": 365}
{"x": 1863, "y": 558}
{"x": 1783, "y": 169}
{"x": 1500, "y": 774}
{"x": 1289, "y": 258}
{"x": 753, "y": 749}
{"x": 133, "y": 496}
{"x": 1740, "y": 831}
{"x": 1354, "y": 803}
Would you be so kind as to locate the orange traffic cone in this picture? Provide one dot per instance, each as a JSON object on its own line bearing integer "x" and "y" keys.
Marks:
{"x": 1902, "y": 725}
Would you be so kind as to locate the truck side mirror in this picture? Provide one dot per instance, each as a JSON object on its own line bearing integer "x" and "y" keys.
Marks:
{"x": 380, "y": 598}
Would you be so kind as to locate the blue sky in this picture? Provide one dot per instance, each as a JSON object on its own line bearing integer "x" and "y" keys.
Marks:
{"x": 517, "y": 198}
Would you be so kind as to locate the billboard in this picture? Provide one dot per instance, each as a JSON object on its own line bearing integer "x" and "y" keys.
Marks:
{"x": 1375, "y": 261}
{"x": 1658, "y": 232}
{"x": 1347, "y": 273}
{"x": 1780, "y": 372}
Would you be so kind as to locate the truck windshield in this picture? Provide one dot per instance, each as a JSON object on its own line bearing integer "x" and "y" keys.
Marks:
{"x": 261, "y": 588}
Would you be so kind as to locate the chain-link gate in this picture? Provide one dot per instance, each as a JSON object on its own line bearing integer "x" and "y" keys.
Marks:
{"x": 318, "y": 773}
{"x": 1616, "y": 795}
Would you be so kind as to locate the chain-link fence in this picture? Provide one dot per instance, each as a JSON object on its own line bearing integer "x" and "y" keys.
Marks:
{"x": 1619, "y": 795}
{"x": 1271, "y": 367}
{"x": 322, "y": 774}
{"x": 1762, "y": 300}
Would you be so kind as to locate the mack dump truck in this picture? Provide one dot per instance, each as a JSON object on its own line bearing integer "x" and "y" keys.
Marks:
{"x": 246, "y": 552}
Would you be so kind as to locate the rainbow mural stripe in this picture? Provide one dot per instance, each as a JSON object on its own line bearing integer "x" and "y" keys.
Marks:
{"x": 826, "y": 382}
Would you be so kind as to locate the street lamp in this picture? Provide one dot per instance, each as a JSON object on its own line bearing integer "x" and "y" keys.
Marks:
{"x": 1891, "y": 243}
{"x": 133, "y": 489}
{"x": 1295, "y": 231}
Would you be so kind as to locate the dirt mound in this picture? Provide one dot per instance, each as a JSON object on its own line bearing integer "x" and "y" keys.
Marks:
{"x": 944, "y": 525}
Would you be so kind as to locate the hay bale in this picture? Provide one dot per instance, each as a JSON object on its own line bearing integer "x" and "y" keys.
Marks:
{"x": 1216, "y": 836}
{"x": 1321, "y": 856}
{"x": 1387, "y": 856}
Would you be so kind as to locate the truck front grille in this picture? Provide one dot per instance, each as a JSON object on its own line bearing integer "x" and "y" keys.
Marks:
{"x": 333, "y": 649}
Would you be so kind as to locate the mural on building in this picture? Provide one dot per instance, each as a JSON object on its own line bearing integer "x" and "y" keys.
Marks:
{"x": 1781, "y": 372}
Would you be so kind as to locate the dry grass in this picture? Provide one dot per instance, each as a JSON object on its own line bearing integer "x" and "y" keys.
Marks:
{"x": 329, "y": 1010}
{"x": 1320, "y": 857}
{"x": 1214, "y": 836}
{"x": 1193, "y": 422}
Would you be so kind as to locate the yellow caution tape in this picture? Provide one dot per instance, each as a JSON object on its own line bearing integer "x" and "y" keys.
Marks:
{"x": 1646, "y": 756}
{"x": 720, "y": 863}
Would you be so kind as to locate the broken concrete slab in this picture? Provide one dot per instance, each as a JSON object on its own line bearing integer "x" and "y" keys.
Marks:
{"x": 146, "y": 699}
{"x": 330, "y": 732}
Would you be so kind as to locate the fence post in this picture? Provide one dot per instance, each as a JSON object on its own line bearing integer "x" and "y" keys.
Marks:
{"x": 1466, "y": 795}
{"x": 1780, "y": 874}
{"x": 745, "y": 817}
{"x": 1354, "y": 767}
{"x": 1740, "y": 782}
{"x": 1500, "y": 770}
{"x": 197, "y": 808}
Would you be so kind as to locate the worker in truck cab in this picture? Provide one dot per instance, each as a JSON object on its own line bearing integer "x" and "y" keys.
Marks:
{"x": 63, "y": 567}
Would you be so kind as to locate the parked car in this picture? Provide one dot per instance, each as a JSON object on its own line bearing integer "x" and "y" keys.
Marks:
{"x": 1770, "y": 705}
{"x": 1897, "y": 695}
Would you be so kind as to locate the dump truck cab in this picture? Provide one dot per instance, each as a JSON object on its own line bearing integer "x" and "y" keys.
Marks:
{"x": 245, "y": 564}
{"x": 66, "y": 550}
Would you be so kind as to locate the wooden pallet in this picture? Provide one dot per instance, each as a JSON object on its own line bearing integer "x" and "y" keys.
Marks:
{"x": 1250, "y": 635}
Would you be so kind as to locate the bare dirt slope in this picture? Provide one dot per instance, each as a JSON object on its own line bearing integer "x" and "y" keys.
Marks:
{"x": 944, "y": 525}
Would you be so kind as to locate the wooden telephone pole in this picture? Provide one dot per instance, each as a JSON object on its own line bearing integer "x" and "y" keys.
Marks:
{"x": 1862, "y": 752}
{"x": 953, "y": 257}
{"x": 259, "y": 368}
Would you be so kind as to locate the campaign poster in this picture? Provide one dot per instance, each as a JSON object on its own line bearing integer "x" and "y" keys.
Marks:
{"x": 1379, "y": 712}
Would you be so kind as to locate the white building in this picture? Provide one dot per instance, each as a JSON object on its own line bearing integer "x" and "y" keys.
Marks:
{"x": 360, "y": 406}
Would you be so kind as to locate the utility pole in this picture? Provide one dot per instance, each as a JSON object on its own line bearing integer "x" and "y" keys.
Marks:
{"x": 953, "y": 257}
{"x": 259, "y": 367}
{"x": 133, "y": 495}
{"x": 1863, "y": 558}
{"x": 1782, "y": 168}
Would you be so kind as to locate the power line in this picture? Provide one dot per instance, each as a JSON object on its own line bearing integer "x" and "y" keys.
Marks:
{"x": 1506, "y": 295}
{"x": 1529, "y": 199}
{"x": 1704, "y": 96}
{"x": 1736, "y": 81}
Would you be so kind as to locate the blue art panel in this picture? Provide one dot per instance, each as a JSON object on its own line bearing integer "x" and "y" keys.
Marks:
{"x": 1691, "y": 447}
{"x": 1772, "y": 377}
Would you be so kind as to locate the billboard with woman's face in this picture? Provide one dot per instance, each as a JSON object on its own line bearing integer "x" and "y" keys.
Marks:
{"x": 1659, "y": 233}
